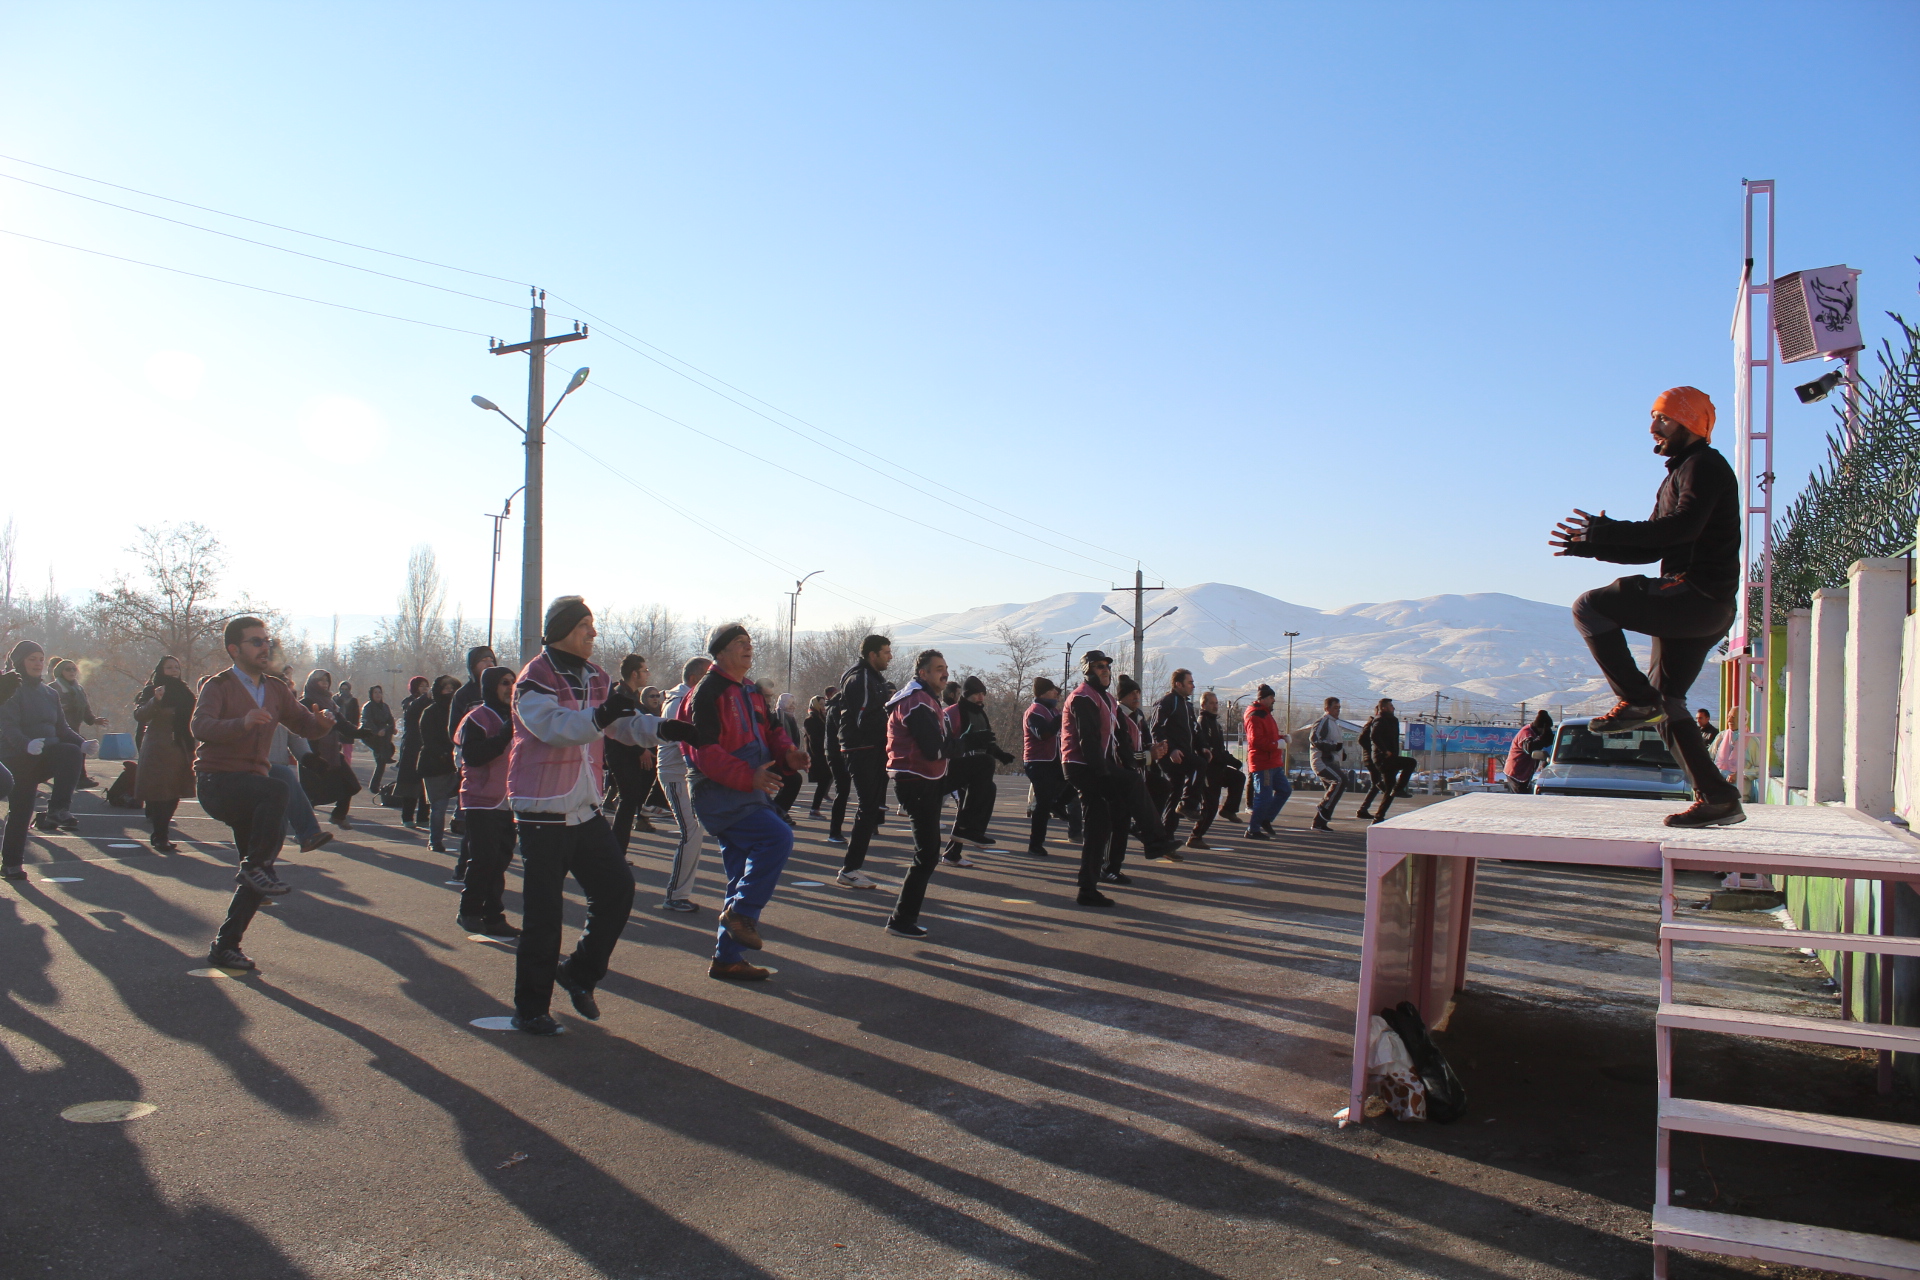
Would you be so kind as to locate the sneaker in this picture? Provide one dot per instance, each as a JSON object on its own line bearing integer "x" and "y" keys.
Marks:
{"x": 1164, "y": 851}
{"x": 1321, "y": 824}
{"x": 1195, "y": 842}
{"x": 1255, "y": 833}
{"x": 1115, "y": 877}
{"x": 540, "y": 1025}
{"x": 433, "y": 846}
{"x": 685, "y": 906}
{"x": 906, "y": 930}
{"x": 855, "y": 880}
{"x": 315, "y": 840}
{"x": 1709, "y": 813}
{"x": 86, "y": 783}
{"x": 814, "y": 814}
{"x": 985, "y": 840}
{"x": 219, "y": 957}
{"x": 1625, "y": 715}
{"x": 163, "y": 846}
{"x": 1363, "y": 813}
{"x": 1093, "y": 898}
{"x": 1036, "y": 851}
{"x": 956, "y": 859}
{"x": 741, "y": 929}
{"x": 64, "y": 819}
{"x": 343, "y": 822}
{"x": 1267, "y": 827}
{"x": 738, "y": 971}
{"x": 833, "y": 839}
{"x": 261, "y": 880}
{"x": 582, "y": 995}
{"x": 13, "y": 871}
{"x": 470, "y": 924}
{"x": 499, "y": 930}
{"x": 45, "y": 822}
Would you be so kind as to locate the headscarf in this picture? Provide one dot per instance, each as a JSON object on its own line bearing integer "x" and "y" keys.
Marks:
{"x": 1688, "y": 406}
{"x": 25, "y": 649}
{"x": 314, "y": 693}
{"x": 174, "y": 695}
{"x": 490, "y": 679}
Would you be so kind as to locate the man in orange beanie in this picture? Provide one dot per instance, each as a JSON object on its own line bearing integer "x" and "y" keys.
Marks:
{"x": 1695, "y": 535}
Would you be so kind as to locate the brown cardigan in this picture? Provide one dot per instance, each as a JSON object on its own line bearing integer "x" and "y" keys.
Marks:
{"x": 227, "y": 745}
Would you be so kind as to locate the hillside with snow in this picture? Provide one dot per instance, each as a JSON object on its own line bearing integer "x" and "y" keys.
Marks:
{"x": 1487, "y": 650}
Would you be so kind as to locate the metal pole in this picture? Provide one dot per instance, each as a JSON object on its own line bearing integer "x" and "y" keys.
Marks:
{"x": 1139, "y": 629}
{"x": 793, "y": 611}
{"x": 493, "y": 574}
{"x": 532, "y": 548}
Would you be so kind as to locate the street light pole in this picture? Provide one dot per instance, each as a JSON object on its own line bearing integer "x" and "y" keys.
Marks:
{"x": 1139, "y": 630}
{"x": 1066, "y": 663}
{"x": 532, "y": 545}
{"x": 1290, "y": 638}
{"x": 793, "y": 616}
{"x": 506, "y": 509}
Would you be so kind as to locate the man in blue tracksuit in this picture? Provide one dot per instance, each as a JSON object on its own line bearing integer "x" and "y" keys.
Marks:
{"x": 740, "y": 756}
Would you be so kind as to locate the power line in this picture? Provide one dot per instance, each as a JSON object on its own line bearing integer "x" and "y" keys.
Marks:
{"x": 278, "y": 293}
{"x": 212, "y": 231}
{"x": 187, "y": 204}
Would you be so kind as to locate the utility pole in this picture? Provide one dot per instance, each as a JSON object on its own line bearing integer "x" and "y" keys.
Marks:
{"x": 532, "y": 546}
{"x": 1139, "y": 589}
{"x": 1291, "y": 636}
{"x": 493, "y": 574}
{"x": 793, "y": 616}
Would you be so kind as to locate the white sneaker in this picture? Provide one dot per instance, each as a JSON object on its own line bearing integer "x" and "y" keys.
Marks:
{"x": 855, "y": 880}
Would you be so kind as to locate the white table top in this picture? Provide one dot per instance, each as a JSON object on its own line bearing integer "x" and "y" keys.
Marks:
{"x": 1788, "y": 839}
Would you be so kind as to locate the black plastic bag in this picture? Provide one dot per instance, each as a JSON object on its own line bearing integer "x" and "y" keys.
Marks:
{"x": 1446, "y": 1096}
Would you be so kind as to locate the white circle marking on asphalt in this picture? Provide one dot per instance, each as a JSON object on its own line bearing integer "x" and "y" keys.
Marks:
{"x": 807, "y": 884}
{"x": 59, "y": 879}
{"x": 107, "y": 1112}
{"x": 118, "y": 845}
{"x": 1235, "y": 880}
{"x": 218, "y": 973}
{"x": 493, "y": 1024}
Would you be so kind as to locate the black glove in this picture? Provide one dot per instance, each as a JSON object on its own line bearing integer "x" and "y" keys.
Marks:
{"x": 1005, "y": 757}
{"x": 674, "y": 731}
{"x": 619, "y": 705}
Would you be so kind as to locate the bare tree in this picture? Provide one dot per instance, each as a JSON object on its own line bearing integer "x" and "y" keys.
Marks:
{"x": 417, "y": 636}
{"x": 1021, "y": 654}
{"x": 9, "y": 541}
{"x": 175, "y": 610}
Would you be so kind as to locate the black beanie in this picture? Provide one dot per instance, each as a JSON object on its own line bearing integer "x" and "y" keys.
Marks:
{"x": 1127, "y": 685}
{"x": 973, "y": 685}
{"x": 563, "y": 615}
{"x": 1265, "y": 691}
{"x": 723, "y": 635}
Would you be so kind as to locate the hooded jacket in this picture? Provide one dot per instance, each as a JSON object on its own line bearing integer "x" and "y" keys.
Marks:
{"x": 482, "y": 739}
{"x": 863, "y": 707}
{"x": 1694, "y": 531}
{"x": 1266, "y": 745}
{"x": 33, "y": 712}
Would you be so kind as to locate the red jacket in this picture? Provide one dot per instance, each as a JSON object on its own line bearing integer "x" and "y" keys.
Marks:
{"x": 1263, "y": 741}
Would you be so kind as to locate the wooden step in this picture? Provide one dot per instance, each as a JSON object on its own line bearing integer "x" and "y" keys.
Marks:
{"x": 1798, "y": 1128}
{"x": 1747, "y": 935}
{"x": 1781, "y": 1026}
{"x": 1791, "y": 1243}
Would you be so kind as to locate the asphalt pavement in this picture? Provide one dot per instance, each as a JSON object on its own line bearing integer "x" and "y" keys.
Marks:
{"x": 1036, "y": 1089}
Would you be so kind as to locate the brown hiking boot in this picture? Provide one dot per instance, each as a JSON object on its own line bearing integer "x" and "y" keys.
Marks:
{"x": 742, "y": 929}
{"x": 1709, "y": 813}
{"x": 1625, "y": 715}
{"x": 738, "y": 971}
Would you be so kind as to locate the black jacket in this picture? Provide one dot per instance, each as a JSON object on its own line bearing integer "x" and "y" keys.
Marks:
{"x": 1380, "y": 738}
{"x": 1694, "y": 531}
{"x": 1173, "y": 725}
{"x": 436, "y": 740}
{"x": 976, "y": 734}
{"x": 863, "y": 708}
{"x": 465, "y": 699}
{"x": 1209, "y": 737}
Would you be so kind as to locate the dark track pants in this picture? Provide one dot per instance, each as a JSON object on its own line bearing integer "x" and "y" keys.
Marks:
{"x": 868, "y": 765}
{"x": 549, "y": 852}
{"x": 59, "y": 763}
{"x": 1389, "y": 776}
{"x": 1686, "y": 627}
{"x": 1336, "y": 779}
{"x": 489, "y": 853}
{"x": 1049, "y": 787}
{"x": 972, "y": 777}
{"x": 921, "y": 798}
{"x": 255, "y": 806}
{"x": 842, "y": 789}
{"x": 1097, "y": 794}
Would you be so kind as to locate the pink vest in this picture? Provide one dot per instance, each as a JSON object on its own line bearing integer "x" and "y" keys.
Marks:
{"x": 484, "y": 787}
{"x": 903, "y": 753}
{"x": 1040, "y": 749}
{"x": 538, "y": 770}
{"x": 1072, "y": 751}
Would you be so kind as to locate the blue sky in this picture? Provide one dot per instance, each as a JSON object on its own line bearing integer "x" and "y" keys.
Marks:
{"x": 1341, "y": 303}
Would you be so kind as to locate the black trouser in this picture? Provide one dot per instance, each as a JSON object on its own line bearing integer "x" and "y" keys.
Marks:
{"x": 382, "y": 757}
{"x": 1133, "y": 806}
{"x": 549, "y": 852}
{"x": 1049, "y": 785}
{"x": 58, "y": 763}
{"x": 1208, "y": 782}
{"x": 629, "y": 779}
{"x": 1335, "y": 777}
{"x": 490, "y": 852}
{"x": 921, "y": 798}
{"x": 160, "y": 816}
{"x": 842, "y": 788}
{"x": 255, "y": 806}
{"x": 1174, "y": 778}
{"x": 1390, "y": 775}
{"x": 1686, "y": 626}
{"x": 789, "y": 791}
{"x": 868, "y": 765}
{"x": 1097, "y": 809}
{"x": 822, "y": 787}
{"x": 972, "y": 777}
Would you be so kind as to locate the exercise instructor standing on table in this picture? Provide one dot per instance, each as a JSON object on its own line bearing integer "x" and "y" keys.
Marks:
{"x": 1695, "y": 535}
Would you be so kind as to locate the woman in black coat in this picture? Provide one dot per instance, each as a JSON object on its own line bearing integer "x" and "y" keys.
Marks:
{"x": 377, "y": 727}
{"x": 818, "y": 769}
{"x": 435, "y": 765}
{"x": 406, "y": 780}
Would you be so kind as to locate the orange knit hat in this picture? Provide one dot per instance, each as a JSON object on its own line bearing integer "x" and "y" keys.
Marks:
{"x": 1688, "y": 406}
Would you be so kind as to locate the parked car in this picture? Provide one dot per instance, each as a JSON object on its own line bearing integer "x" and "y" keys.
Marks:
{"x": 1631, "y": 765}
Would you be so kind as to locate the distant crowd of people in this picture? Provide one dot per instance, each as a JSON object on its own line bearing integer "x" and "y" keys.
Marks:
{"x": 562, "y": 761}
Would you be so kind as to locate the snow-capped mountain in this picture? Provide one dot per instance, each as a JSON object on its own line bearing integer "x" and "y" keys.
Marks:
{"x": 1488, "y": 650}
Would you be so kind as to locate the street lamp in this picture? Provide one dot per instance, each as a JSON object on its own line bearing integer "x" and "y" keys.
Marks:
{"x": 1066, "y": 663}
{"x": 1290, "y": 635}
{"x": 793, "y": 603}
{"x": 506, "y": 509}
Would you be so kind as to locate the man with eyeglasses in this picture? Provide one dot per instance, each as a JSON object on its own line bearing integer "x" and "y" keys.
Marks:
{"x": 234, "y": 723}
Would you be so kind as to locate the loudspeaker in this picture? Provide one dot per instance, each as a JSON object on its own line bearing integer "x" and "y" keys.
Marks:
{"x": 1816, "y": 313}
